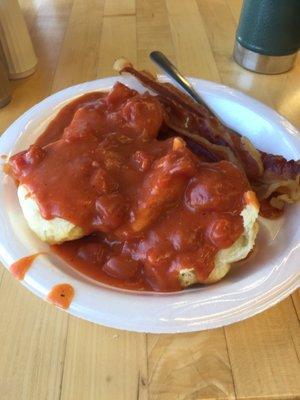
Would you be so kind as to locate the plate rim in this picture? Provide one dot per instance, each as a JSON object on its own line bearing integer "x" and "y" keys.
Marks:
{"x": 286, "y": 288}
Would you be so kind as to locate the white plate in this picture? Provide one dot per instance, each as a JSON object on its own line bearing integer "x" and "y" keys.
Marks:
{"x": 269, "y": 276}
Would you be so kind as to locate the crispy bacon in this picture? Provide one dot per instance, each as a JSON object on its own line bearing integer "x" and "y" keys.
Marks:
{"x": 279, "y": 166}
{"x": 271, "y": 176}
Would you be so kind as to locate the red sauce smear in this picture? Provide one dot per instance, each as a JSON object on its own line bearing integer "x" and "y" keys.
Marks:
{"x": 61, "y": 295}
{"x": 64, "y": 117}
{"x": 148, "y": 207}
{"x": 20, "y": 267}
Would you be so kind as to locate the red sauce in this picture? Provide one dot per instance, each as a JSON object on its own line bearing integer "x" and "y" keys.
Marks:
{"x": 64, "y": 117}
{"x": 20, "y": 267}
{"x": 61, "y": 295}
{"x": 149, "y": 207}
{"x": 268, "y": 211}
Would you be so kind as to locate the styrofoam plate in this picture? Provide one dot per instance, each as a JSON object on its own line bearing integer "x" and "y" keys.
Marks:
{"x": 258, "y": 283}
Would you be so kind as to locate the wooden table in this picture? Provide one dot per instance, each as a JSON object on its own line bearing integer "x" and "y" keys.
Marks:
{"x": 47, "y": 354}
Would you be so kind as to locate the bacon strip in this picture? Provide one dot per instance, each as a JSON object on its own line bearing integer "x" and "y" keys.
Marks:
{"x": 271, "y": 176}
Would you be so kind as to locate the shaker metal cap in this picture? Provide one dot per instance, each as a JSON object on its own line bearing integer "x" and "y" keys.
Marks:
{"x": 262, "y": 63}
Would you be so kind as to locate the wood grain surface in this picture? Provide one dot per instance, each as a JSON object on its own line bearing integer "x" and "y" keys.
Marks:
{"x": 49, "y": 355}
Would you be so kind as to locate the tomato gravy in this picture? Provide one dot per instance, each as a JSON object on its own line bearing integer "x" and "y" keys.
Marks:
{"x": 20, "y": 267}
{"x": 148, "y": 207}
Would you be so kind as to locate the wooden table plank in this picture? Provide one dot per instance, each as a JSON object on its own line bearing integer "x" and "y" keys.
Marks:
{"x": 189, "y": 366}
{"x": 292, "y": 321}
{"x": 32, "y": 340}
{"x": 235, "y": 7}
{"x": 78, "y": 59}
{"x": 122, "y": 28}
{"x": 288, "y": 99}
{"x": 296, "y": 301}
{"x": 263, "y": 357}
{"x": 67, "y": 358}
{"x": 30, "y": 11}
{"x": 103, "y": 363}
{"x": 153, "y": 32}
{"x": 121, "y": 8}
{"x": 193, "y": 53}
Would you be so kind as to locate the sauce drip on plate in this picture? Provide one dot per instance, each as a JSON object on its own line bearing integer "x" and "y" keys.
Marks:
{"x": 20, "y": 267}
{"x": 61, "y": 295}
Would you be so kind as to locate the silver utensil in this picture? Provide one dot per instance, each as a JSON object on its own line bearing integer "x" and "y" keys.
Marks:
{"x": 165, "y": 64}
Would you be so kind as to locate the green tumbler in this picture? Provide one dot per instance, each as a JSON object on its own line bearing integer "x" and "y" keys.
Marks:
{"x": 268, "y": 35}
